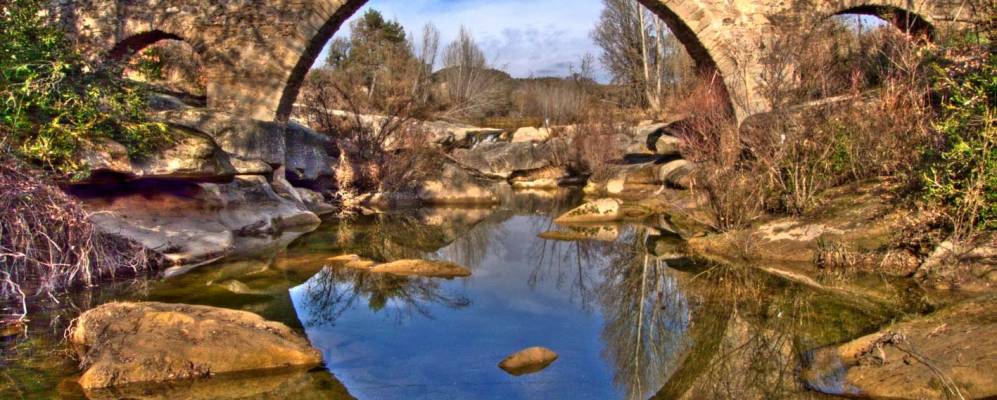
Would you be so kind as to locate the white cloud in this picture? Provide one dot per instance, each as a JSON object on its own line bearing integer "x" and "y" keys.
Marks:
{"x": 523, "y": 37}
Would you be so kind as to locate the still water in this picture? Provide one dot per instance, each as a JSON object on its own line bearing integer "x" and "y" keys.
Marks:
{"x": 628, "y": 316}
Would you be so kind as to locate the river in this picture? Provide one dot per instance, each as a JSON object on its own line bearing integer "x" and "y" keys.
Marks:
{"x": 628, "y": 315}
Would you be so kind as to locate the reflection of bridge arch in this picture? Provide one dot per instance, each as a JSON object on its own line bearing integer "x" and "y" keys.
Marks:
{"x": 257, "y": 53}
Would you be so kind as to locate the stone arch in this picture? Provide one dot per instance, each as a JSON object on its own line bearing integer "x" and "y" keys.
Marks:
{"x": 905, "y": 20}
{"x": 255, "y": 53}
{"x": 686, "y": 21}
{"x": 137, "y": 42}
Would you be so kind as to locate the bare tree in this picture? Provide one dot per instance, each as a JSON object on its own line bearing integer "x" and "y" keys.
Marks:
{"x": 471, "y": 88}
{"x": 640, "y": 52}
{"x": 427, "y": 52}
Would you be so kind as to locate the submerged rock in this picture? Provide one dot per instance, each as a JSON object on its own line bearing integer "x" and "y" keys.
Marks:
{"x": 602, "y": 233}
{"x": 528, "y": 361}
{"x": 293, "y": 384}
{"x": 125, "y": 343}
{"x": 933, "y": 357}
{"x": 426, "y": 268}
{"x": 604, "y": 210}
{"x": 191, "y": 223}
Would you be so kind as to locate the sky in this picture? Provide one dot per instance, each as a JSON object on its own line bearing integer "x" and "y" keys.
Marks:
{"x": 526, "y": 38}
{"x": 523, "y": 37}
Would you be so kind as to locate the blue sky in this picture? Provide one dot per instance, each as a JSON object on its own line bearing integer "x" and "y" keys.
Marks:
{"x": 523, "y": 37}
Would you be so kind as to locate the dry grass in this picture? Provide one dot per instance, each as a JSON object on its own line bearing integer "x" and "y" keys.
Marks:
{"x": 846, "y": 107}
{"x": 47, "y": 243}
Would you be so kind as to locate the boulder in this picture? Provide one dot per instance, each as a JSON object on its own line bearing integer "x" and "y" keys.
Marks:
{"x": 190, "y": 156}
{"x": 105, "y": 156}
{"x": 629, "y": 179}
{"x": 549, "y": 178}
{"x": 604, "y": 210}
{"x": 677, "y": 173}
{"x": 528, "y": 361}
{"x": 502, "y": 160}
{"x": 316, "y": 202}
{"x": 308, "y": 161}
{"x": 668, "y": 146}
{"x": 643, "y": 139}
{"x": 127, "y": 343}
{"x": 453, "y": 186}
{"x": 242, "y": 138}
{"x": 530, "y": 134}
{"x": 602, "y": 233}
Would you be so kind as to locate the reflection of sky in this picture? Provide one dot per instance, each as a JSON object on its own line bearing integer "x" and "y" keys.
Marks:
{"x": 454, "y": 353}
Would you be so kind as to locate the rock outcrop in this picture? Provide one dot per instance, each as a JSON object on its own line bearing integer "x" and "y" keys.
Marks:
{"x": 244, "y": 139}
{"x": 194, "y": 222}
{"x": 530, "y": 134}
{"x": 190, "y": 156}
{"x": 127, "y": 343}
{"x": 501, "y": 160}
{"x": 309, "y": 161}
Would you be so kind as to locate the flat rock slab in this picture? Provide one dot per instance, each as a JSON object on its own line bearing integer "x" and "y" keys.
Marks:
{"x": 528, "y": 361}
{"x": 604, "y": 210}
{"x": 127, "y": 343}
{"x": 932, "y": 357}
{"x": 423, "y": 268}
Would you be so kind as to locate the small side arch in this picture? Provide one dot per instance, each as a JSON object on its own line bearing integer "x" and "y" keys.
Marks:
{"x": 135, "y": 43}
{"x": 905, "y": 20}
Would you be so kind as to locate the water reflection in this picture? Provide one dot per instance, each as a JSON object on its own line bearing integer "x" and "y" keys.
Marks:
{"x": 647, "y": 318}
{"x": 334, "y": 291}
{"x": 629, "y": 316}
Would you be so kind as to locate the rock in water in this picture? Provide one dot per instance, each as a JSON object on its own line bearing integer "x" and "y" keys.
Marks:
{"x": 931, "y": 357}
{"x": 426, "y": 268}
{"x": 124, "y": 343}
{"x": 528, "y": 361}
{"x": 602, "y": 210}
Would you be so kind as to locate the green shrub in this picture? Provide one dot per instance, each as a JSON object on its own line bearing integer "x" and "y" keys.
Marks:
{"x": 962, "y": 176}
{"x": 54, "y": 101}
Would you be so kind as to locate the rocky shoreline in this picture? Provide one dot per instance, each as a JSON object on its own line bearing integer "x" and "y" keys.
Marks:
{"x": 228, "y": 185}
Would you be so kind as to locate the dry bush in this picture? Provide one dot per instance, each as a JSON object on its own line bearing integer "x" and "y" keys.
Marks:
{"x": 730, "y": 186}
{"x": 47, "y": 243}
{"x": 594, "y": 144}
{"x": 828, "y": 127}
{"x": 376, "y": 152}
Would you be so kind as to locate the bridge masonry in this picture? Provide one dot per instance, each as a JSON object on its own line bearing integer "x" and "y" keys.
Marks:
{"x": 256, "y": 53}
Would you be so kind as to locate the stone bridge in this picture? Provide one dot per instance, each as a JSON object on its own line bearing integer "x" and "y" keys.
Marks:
{"x": 256, "y": 53}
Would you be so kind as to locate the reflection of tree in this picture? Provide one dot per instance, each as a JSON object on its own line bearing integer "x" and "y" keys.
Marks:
{"x": 333, "y": 291}
{"x": 647, "y": 318}
{"x": 749, "y": 332}
{"x": 574, "y": 264}
{"x": 470, "y": 248}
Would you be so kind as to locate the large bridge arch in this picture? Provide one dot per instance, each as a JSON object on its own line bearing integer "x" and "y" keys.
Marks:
{"x": 256, "y": 52}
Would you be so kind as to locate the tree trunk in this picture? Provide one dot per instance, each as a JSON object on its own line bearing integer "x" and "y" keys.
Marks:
{"x": 644, "y": 55}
